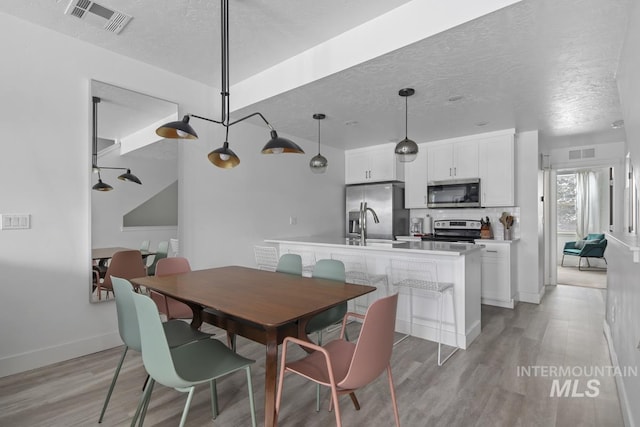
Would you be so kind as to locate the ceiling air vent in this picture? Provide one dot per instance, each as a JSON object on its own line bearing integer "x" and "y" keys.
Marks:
{"x": 98, "y": 15}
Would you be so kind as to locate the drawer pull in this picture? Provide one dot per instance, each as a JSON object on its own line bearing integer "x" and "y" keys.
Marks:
{"x": 495, "y": 252}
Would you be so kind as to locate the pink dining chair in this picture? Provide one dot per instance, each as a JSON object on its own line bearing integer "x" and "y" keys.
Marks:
{"x": 345, "y": 366}
{"x": 168, "y": 306}
{"x": 124, "y": 264}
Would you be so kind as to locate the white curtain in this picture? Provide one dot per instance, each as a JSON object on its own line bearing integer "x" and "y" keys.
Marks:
{"x": 587, "y": 204}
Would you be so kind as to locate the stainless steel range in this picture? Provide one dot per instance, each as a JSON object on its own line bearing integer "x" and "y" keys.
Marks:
{"x": 455, "y": 230}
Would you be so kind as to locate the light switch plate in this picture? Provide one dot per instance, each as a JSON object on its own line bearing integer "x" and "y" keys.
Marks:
{"x": 15, "y": 222}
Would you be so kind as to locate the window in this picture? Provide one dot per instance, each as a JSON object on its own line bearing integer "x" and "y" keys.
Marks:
{"x": 566, "y": 206}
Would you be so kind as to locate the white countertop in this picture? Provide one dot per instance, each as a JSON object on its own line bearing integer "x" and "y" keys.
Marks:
{"x": 437, "y": 248}
{"x": 631, "y": 241}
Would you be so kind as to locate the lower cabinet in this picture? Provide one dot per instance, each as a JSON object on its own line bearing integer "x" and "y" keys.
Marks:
{"x": 498, "y": 274}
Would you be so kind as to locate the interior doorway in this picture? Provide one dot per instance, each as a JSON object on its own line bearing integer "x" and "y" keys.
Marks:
{"x": 584, "y": 208}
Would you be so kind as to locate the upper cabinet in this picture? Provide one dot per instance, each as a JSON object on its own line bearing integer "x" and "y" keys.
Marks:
{"x": 415, "y": 186}
{"x": 496, "y": 163}
{"x": 452, "y": 160}
{"x": 373, "y": 164}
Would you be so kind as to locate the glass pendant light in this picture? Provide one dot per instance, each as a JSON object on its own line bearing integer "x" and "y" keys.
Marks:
{"x": 318, "y": 163}
{"x": 406, "y": 150}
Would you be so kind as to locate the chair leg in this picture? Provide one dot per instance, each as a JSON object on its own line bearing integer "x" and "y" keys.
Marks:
{"x": 185, "y": 411}
{"x": 146, "y": 404}
{"x": 318, "y": 385}
{"x": 113, "y": 383}
{"x": 455, "y": 325}
{"x": 410, "y": 319}
{"x": 562, "y": 262}
{"x": 252, "y": 405}
{"x": 214, "y": 398}
{"x": 143, "y": 404}
{"x": 334, "y": 397}
{"x": 393, "y": 396}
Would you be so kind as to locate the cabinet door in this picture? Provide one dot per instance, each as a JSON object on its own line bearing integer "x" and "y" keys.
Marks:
{"x": 382, "y": 164}
{"x": 496, "y": 171}
{"x": 439, "y": 162}
{"x": 415, "y": 185}
{"x": 356, "y": 167}
{"x": 465, "y": 156}
{"x": 496, "y": 278}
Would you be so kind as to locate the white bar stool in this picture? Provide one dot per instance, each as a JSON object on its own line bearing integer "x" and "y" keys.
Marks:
{"x": 358, "y": 272}
{"x": 266, "y": 257}
{"x": 423, "y": 276}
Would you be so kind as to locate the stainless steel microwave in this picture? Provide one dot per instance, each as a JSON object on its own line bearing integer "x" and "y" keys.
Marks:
{"x": 455, "y": 193}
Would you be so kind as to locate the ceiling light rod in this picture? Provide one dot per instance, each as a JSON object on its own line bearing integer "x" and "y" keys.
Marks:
{"x": 223, "y": 157}
{"x": 406, "y": 150}
{"x": 318, "y": 163}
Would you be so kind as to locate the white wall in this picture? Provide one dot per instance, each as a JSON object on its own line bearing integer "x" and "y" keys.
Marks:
{"x": 623, "y": 297}
{"x": 45, "y": 171}
{"x": 528, "y": 192}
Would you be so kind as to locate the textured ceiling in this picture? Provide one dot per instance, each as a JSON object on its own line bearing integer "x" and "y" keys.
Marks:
{"x": 538, "y": 64}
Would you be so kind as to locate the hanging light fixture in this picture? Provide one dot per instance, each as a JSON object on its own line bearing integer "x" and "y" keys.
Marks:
{"x": 406, "y": 150}
{"x": 127, "y": 176}
{"x": 224, "y": 157}
{"x": 318, "y": 163}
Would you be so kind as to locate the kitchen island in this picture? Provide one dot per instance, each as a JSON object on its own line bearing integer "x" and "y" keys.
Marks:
{"x": 458, "y": 263}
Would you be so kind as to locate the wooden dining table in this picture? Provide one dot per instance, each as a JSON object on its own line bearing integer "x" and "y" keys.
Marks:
{"x": 260, "y": 305}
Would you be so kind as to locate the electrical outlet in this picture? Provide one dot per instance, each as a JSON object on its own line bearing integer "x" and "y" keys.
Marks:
{"x": 293, "y": 220}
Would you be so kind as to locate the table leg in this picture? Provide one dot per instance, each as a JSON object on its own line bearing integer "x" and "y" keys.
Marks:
{"x": 270, "y": 380}
{"x": 196, "y": 321}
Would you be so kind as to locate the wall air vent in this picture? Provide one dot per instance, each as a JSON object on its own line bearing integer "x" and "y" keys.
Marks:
{"x": 588, "y": 153}
{"x": 575, "y": 154}
{"x": 98, "y": 15}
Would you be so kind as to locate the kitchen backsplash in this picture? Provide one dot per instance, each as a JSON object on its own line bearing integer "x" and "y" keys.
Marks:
{"x": 494, "y": 215}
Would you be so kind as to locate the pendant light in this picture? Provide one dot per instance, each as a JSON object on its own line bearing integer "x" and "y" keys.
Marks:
{"x": 406, "y": 150}
{"x": 224, "y": 157}
{"x": 318, "y": 163}
{"x": 101, "y": 186}
{"x": 127, "y": 176}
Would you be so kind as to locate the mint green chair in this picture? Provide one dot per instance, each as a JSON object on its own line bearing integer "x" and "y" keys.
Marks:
{"x": 161, "y": 252}
{"x": 290, "y": 264}
{"x": 183, "y": 367}
{"x": 331, "y": 269}
{"x": 178, "y": 332}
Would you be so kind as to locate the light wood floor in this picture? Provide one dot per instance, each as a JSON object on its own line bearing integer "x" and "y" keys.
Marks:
{"x": 591, "y": 278}
{"x": 476, "y": 387}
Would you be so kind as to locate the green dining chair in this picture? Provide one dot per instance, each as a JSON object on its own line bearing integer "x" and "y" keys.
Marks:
{"x": 290, "y": 264}
{"x": 178, "y": 332}
{"x": 183, "y": 367}
{"x": 331, "y": 269}
{"x": 161, "y": 252}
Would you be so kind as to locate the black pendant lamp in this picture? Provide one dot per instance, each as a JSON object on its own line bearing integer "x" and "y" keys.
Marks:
{"x": 318, "y": 163}
{"x": 406, "y": 150}
{"x": 127, "y": 176}
{"x": 101, "y": 186}
{"x": 224, "y": 157}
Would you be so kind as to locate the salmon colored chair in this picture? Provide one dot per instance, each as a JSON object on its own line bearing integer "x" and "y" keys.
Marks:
{"x": 168, "y": 306}
{"x": 346, "y": 366}
{"x": 124, "y": 264}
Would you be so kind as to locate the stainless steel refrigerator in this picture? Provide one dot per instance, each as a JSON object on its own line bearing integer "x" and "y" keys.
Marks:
{"x": 386, "y": 200}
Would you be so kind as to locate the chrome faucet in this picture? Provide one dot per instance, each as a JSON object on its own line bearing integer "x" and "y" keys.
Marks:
{"x": 363, "y": 221}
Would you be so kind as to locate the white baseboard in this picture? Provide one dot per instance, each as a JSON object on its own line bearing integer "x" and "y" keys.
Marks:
{"x": 46, "y": 356}
{"x": 498, "y": 303}
{"x": 622, "y": 391}
{"x": 531, "y": 297}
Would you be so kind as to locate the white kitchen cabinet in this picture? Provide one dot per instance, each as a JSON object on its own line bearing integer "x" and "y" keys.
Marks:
{"x": 496, "y": 165}
{"x": 498, "y": 274}
{"x": 373, "y": 164}
{"x": 415, "y": 180}
{"x": 452, "y": 160}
